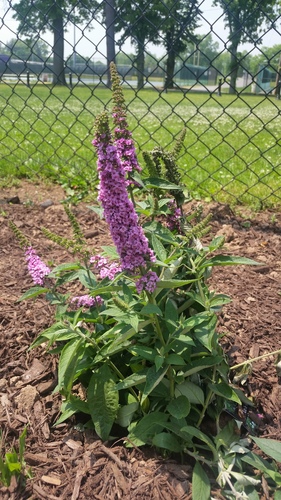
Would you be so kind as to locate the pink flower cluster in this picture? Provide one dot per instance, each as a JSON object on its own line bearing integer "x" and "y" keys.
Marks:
{"x": 119, "y": 212}
{"x": 147, "y": 282}
{"x": 87, "y": 301}
{"x": 36, "y": 267}
{"x": 106, "y": 269}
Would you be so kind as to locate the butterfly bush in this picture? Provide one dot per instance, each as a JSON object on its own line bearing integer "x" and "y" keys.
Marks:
{"x": 36, "y": 267}
{"x": 119, "y": 212}
{"x": 87, "y": 301}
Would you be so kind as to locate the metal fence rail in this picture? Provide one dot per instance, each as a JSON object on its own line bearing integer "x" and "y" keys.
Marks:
{"x": 212, "y": 66}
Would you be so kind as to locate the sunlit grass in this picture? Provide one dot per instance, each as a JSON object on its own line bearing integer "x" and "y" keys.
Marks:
{"x": 232, "y": 145}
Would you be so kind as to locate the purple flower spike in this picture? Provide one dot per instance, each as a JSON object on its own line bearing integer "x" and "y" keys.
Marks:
{"x": 119, "y": 211}
{"x": 36, "y": 267}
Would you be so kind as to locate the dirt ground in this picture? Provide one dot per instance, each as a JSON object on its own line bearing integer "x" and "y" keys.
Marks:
{"x": 65, "y": 462}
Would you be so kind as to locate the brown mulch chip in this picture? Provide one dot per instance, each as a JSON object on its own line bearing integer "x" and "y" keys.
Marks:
{"x": 67, "y": 463}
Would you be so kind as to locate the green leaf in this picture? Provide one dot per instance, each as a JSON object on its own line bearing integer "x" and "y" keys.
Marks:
{"x": 162, "y": 232}
{"x": 103, "y": 401}
{"x": 33, "y": 292}
{"x": 224, "y": 390}
{"x": 70, "y": 266}
{"x": 277, "y": 495}
{"x": 229, "y": 260}
{"x": 131, "y": 380}
{"x": 179, "y": 407}
{"x": 202, "y": 363}
{"x": 72, "y": 406}
{"x": 220, "y": 300}
{"x": 174, "y": 283}
{"x": 154, "y": 182}
{"x": 125, "y": 414}
{"x": 158, "y": 248}
{"x": 167, "y": 442}
{"x": 143, "y": 351}
{"x": 158, "y": 361}
{"x": 201, "y": 488}
{"x": 144, "y": 431}
{"x": 171, "y": 311}
{"x": 98, "y": 210}
{"x": 193, "y": 392}
{"x": 216, "y": 243}
{"x": 153, "y": 378}
{"x": 111, "y": 252}
{"x": 263, "y": 465}
{"x": 87, "y": 278}
{"x": 175, "y": 359}
{"x": 270, "y": 447}
{"x": 194, "y": 432}
{"x": 68, "y": 364}
{"x": 151, "y": 309}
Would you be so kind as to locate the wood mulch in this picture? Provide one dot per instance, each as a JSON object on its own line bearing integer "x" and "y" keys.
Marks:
{"x": 67, "y": 463}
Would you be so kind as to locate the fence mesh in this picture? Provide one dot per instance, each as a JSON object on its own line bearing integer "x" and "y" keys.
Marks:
{"x": 213, "y": 67}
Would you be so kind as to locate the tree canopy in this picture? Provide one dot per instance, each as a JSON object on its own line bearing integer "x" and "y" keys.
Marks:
{"x": 246, "y": 20}
{"x": 37, "y": 16}
{"x": 140, "y": 21}
{"x": 26, "y": 49}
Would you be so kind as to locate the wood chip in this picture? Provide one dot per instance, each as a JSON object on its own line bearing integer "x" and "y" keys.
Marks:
{"x": 74, "y": 445}
{"x": 51, "y": 480}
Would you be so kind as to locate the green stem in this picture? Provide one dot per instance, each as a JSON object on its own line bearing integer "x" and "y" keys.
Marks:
{"x": 249, "y": 361}
{"x": 207, "y": 401}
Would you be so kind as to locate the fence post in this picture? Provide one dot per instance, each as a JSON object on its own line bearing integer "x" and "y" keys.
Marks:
{"x": 28, "y": 78}
{"x": 219, "y": 86}
{"x": 70, "y": 80}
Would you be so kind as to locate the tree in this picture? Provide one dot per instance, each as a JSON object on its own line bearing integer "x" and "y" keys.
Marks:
{"x": 37, "y": 16}
{"x": 245, "y": 20}
{"x": 26, "y": 49}
{"x": 138, "y": 20}
{"x": 179, "y": 20}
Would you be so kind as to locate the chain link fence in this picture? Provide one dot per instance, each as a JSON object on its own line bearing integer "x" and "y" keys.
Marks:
{"x": 211, "y": 66}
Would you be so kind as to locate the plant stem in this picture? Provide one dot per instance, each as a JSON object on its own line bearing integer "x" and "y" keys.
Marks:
{"x": 249, "y": 361}
{"x": 207, "y": 401}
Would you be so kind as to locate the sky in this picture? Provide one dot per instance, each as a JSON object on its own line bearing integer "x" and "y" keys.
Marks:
{"x": 91, "y": 43}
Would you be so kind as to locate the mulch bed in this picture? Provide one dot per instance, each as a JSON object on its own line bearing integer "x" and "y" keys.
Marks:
{"x": 65, "y": 462}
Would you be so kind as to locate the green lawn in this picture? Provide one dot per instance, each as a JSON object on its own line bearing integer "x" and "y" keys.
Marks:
{"x": 232, "y": 146}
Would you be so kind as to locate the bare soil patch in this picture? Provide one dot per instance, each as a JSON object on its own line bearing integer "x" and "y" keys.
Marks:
{"x": 67, "y": 463}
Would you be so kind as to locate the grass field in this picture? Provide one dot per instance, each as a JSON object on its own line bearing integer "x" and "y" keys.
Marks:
{"x": 232, "y": 146}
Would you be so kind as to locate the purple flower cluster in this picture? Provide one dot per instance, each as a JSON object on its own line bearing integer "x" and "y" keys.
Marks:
{"x": 87, "y": 301}
{"x": 106, "y": 269}
{"x": 36, "y": 267}
{"x": 147, "y": 282}
{"x": 119, "y": 212}
{"x": 125, "y": 147}
{"x": 173, "y": 219}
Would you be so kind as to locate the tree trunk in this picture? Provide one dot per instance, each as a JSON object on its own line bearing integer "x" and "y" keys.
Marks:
{"x": 110, "y": 15}
{"x": 171, "y": 60}
{"x": 58, "y": 52}
{"x": 234, "y": 67}
{"x": 140, "y": 64}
